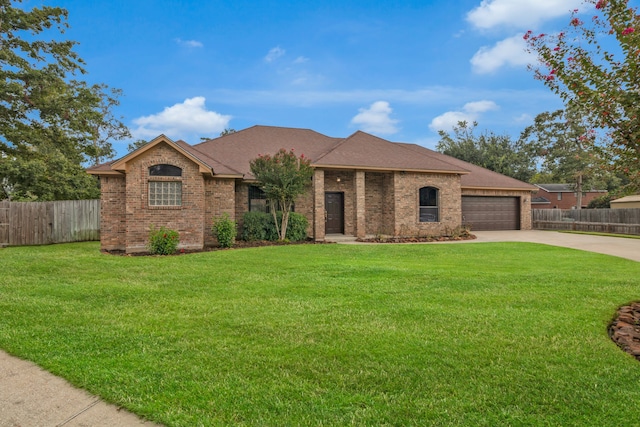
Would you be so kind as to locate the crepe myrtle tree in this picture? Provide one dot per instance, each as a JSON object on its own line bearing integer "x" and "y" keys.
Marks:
{"x": 594, "y": 66}
{"x": 283, "y": 177}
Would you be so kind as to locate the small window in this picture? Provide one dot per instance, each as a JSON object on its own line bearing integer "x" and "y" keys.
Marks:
{"x": 165, "y": 193}
{"x": 429, "y": 211}
{"x": 165, "y": 170}
{"x": 257, "y": 199}
{"x": 559, "y": 196}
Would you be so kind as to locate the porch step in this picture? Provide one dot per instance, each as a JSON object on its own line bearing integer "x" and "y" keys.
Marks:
{"x": 339, "y": 238}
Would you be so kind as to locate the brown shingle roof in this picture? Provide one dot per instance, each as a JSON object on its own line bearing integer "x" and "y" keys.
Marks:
{"x": 230, "y": 155}
{"x": 239, "y": 148}
{"x": 362, "y": 150}
{"x": 479, "y": 176}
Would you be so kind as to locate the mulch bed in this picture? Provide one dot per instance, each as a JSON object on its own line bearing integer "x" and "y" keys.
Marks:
{"x": 466, "y": 236}
{"x": 625, "y": 329}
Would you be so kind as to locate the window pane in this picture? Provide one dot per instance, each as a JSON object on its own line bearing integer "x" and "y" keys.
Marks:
{"x": 429, "y": 204}
{"x": 165, "y": 170}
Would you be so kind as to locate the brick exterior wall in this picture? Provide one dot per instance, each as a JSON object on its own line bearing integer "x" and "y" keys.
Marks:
{"x": 187, "y": 219}
{"x": 220, "y": 198}
{"x": 113, "y": 223}
{"x": 407, "y": 203}
{"x": 525, "y": 202}
{"x": 380, "y": 209}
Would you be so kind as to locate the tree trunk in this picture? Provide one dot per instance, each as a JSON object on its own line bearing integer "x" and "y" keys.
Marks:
{"x": 579, "y": 192}
{"x": 272, "y": 206}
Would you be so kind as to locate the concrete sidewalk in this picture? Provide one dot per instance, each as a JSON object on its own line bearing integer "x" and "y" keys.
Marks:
{"x": 30, "y": 396}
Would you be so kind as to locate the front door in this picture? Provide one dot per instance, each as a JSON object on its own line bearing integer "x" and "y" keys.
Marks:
{"x": 334, "y": 206}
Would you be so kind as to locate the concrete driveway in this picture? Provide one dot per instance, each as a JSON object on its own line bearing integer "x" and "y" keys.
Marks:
{"x": 616, "y": 246}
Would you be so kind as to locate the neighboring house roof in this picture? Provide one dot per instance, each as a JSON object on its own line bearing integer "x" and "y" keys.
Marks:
{"x": 564, "y": 188}
{"x": 539, "y": 201}
{"x": 627, "y": 199}
{"x": 230, "y": 155}
{"x": 478, "y": 177}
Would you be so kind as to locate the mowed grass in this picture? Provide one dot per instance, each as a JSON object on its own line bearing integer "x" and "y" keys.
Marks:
{"x": 479, "y": 334}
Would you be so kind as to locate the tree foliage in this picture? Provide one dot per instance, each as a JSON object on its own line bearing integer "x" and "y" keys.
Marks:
{"x": 48, "y": 118}
{"x": 594, "y": 65}
{"x": 568, "y": 148}
{"x": 498, "y": 153}
{"x": 283, "y": 177}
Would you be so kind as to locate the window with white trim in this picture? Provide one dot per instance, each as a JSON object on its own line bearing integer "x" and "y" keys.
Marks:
{"x": 429, "y": 210}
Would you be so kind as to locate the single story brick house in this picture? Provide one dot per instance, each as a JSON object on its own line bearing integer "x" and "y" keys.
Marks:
{"x": 362, "y": 185}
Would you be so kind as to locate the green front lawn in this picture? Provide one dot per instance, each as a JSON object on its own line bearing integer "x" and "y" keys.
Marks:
{"x": 478, "y": 334}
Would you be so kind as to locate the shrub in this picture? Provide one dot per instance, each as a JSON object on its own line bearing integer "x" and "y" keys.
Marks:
{"x": 260, "y": 226}
{"x": 601, "y": 202}
{"x": 254, "y": 226}
{"x": 297, "y": 228}
{"x": 224, "y": 228}
{"x": 163, "y": 241}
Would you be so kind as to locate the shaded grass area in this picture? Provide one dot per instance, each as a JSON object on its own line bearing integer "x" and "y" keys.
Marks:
{"x": 468, "y": 334}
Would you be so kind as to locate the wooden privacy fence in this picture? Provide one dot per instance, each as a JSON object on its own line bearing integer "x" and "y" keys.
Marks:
{"x": 41, "y": 223}
{"x": 619, "y": 221}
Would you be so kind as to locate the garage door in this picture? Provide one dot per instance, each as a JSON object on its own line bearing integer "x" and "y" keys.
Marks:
{"x": 491, "y": 213}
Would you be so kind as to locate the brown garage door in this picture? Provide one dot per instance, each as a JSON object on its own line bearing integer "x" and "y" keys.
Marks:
{"x": 491, "y": 213}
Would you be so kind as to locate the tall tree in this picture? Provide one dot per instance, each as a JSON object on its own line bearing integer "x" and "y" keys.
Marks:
{"x": 498, "y": 153}
{"x": 282, "y": 177}
{"x": 568, "y": 149}
{"x": 45, "y": 113}
{"x": 594, "y": 65}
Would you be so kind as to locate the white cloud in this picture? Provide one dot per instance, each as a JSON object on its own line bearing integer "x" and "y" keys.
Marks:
{"x": 177, "y": 121}
{"x": 189, "y": 43}
{"x": 376, "y": 119}
{"x": 522, "y": 14}
{"x": 274, "y": 54}
{"x": 509, "y": 52}
{"x": 470, "y": 112}
{"x": 300, "y": 60}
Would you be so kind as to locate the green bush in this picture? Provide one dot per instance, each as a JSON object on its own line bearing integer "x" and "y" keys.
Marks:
{"x": 297, "y": 229}
{"x": 260, "y": 226}
{"x": 254, "y": 226}
{"x": 601, "y": 202}
{"x": 163, "y": 241}
{"x": 224, "y": 228}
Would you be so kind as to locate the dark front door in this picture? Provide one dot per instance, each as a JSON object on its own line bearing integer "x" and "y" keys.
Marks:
{"x": 334, "y": 206}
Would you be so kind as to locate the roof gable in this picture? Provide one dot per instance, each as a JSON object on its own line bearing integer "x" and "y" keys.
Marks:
{"x": 206, "y": 164}
{"x": 239, "y": 148}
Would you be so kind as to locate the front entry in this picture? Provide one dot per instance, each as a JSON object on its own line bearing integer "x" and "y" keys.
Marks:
{"x": 334, "y": 206}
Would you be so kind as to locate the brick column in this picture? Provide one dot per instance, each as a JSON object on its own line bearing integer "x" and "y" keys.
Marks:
{"x": 318, "y": 205}
{"x": 360, "y": 204}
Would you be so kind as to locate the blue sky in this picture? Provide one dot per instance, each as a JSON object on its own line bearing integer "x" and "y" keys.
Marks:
{"x": 397, "y": 69}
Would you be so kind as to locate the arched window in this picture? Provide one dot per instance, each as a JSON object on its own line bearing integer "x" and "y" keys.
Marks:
{"x": 164, "y": 188}
{"x": 429, "y": 211}
{"x": 164, "y": 170}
